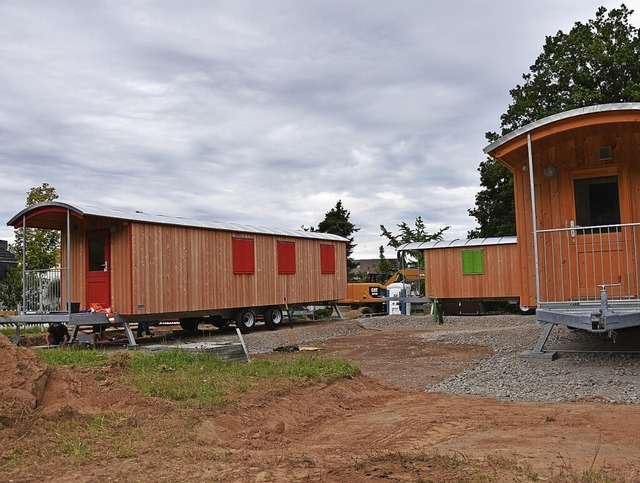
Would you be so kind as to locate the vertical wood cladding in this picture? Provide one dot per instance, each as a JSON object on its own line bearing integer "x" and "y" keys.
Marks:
{"x": 573, "y": 145}
{"x": 120, "y": 271}
{"x": 158, "y": 268}
{"x": 445, "y": 278}
{"x": 177, "y": 269}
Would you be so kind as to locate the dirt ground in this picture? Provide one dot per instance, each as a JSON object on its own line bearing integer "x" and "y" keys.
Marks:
{"x": 378, "y": 425}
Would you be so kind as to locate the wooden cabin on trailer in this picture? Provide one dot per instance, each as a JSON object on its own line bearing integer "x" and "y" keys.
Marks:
{"x": 465, "y": 276}
{"x": 577, "y": 197}
{"x": 146, "y": 267}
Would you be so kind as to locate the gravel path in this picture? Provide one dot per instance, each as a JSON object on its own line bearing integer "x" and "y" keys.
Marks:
{"x": 609, "y": 375}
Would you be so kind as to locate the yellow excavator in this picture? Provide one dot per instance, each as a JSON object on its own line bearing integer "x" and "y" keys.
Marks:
{"x": 369, "y": 295}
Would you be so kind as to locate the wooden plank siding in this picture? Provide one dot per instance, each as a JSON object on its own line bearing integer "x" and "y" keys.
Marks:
{"x": 445, "y": 278}
{"x": 160, "y": 268}
{"x": 572, "y": 144}
{"x": 175, "y": 269}
{"x": 120, "y": 272}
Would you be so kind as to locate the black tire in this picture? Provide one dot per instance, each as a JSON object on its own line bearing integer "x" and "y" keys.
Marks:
{"x": 528, "y": 311}
{"x": 273, "y": 317}
{"x": 189, "y": 324}
{"x": 221, "y": 323}
{"x": 245, "y": 320}
{"x": 366, "y": 310}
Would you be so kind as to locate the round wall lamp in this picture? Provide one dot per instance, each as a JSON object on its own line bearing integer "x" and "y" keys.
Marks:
{"x": 550, "y": 170}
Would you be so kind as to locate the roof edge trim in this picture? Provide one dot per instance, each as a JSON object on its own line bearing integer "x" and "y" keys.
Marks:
{"x": 140, "y": 217}
{"x": 40, "y": 208}
{"x": 581, "y": 111}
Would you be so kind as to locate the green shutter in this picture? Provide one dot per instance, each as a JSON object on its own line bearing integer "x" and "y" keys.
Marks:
{"x": 472, "y": 262}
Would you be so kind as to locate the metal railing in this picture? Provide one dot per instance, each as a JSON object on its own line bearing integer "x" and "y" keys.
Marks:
{"x": 42, "y": 290}
{"x": 576, "y": 262}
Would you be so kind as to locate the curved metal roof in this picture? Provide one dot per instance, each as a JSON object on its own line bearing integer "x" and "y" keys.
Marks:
{"x": 458, "y": 242}
{"x": 623, "y": 106}
{"x": 82, "y": 210}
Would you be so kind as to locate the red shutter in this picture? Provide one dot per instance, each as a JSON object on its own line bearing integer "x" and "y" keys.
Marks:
{"x": 286, "y": 257}
{"x": 327, "y": 259}
{"x": 243, "y": 256}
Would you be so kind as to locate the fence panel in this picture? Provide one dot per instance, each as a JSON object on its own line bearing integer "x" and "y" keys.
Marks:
{"x": 42, "y": 291}
{"x": 575, "y": 263}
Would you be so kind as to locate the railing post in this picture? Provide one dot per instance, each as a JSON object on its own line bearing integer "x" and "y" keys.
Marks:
{"x": 534, "y": 219}
{"x": 24, "y": 260}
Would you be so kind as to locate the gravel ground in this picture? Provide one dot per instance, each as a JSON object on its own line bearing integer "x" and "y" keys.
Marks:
{"x": 589, "y": 367}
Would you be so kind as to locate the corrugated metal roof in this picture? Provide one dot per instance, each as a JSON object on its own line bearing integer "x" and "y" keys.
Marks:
{"x": 458, "y": 242}
{"x": 139, "y": 216}
{"x": 7, "y": 258}
{"x": 622, "y": 106}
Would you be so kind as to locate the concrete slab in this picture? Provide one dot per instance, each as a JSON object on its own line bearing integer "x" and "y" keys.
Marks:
{"x": 542, "y": 356}
{"x": 232, "y": 351}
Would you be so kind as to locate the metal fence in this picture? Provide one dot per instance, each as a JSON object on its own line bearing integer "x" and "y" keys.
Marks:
{"x": 575, "y": 263}
{"x": 42, "y": 290}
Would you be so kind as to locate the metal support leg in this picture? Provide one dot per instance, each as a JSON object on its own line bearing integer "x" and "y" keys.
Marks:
{"x": 538, "y": 352}
{"x": 74, "y": 333}
{"x": 16, "y": 338}
{"x": 337, "y": 309}
{"x": 542, "y": 340}
{"x": 130, "y": 338}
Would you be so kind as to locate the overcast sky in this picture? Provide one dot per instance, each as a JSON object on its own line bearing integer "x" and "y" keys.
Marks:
{"x": 264, "y": 112}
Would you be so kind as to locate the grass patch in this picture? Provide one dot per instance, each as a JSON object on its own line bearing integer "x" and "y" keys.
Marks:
{"x": 93, "y": 437}
{"x": 198, "y": 380}
{"x": 11, "y": 331}
{"x": 202, "y": 380}
{"x": 71, "y": 356}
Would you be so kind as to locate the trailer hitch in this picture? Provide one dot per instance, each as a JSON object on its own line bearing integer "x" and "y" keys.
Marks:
{"x": 598, "y": 323}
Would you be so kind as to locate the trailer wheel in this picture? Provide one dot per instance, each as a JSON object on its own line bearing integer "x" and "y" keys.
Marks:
{"x": 527, "y": 311}
{"x": 273, "y": 317}
{"x": 189, "y": 324}
{"x": 221, "y": 323}
{"x": 245, "y": 320}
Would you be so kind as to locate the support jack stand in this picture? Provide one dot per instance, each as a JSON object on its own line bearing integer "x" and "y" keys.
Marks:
{"x": 538, "y": 352}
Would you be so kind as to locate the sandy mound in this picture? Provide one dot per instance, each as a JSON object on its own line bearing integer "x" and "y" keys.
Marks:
{"x": 29, "y": 388}
{"x": 22, "y": 381}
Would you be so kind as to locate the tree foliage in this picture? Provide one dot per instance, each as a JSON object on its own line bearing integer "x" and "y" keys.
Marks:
{"x": 336, "y": 221}
{"x": 495, "y": 205}
{"x": 42, "y": 250}
{"x": 43, "y": 246}
{"x": 384, "y": 266}
{"x": 594, "y": 63}
{"x": 418, "y": 233}
{"x": 11, "y": 288}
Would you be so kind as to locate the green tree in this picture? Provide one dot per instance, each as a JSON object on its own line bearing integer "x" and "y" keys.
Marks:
{"x": 495, "y": 205}
{"x": 11, "y": 288}
{"x": 336, "y": 221}
{"x": 43, "y": 246}
{"x": 595, "y": 63}
{"x": 384, "y": 266}
{"x": 411, "y": 258}
{"x": 42, "y": 250}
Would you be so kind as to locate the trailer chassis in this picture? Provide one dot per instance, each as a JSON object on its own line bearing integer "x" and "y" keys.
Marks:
{"x": 603, "y": 317}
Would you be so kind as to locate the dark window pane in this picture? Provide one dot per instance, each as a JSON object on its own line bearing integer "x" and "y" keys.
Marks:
{"x": 597, "y": 201}
{"x": 96, "y": 254}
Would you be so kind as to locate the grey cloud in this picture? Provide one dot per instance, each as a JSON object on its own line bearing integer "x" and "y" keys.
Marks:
{"x": 263, "y": 112}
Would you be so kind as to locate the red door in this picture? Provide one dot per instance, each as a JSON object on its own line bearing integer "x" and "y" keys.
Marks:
{"x": 98, "y": 279}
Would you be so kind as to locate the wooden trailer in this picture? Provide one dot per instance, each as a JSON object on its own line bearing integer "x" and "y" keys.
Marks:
{"x": 577, "y": 194}
{"x": 146, "y": 267}
{"x": 463, "y": 276}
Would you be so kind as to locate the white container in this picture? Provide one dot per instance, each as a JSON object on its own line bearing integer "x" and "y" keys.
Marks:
{"x": 397, "y": 290}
